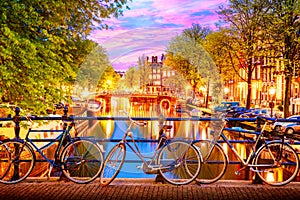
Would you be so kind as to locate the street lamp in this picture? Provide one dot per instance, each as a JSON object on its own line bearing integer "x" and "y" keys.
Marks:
{"x": 272, "y": 91}
{"x": 226, "y": 90}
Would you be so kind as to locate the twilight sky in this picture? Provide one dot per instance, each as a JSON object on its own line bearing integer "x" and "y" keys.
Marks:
{"x": 149, "y": 25}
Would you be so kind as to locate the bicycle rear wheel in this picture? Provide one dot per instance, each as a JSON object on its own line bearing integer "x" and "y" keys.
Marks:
{"x": 82, "y": 161}
{"x": 179, "y": 162}
{"x": 112, "y": 164}
{"x": 281, "y": 163}
{"x": 214, "y": 164}
{"x": 20, "y": 164}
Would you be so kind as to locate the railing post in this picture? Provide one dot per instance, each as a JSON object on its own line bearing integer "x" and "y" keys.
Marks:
{"x": 16, "y": 119}
{"x": 65, "y": 117}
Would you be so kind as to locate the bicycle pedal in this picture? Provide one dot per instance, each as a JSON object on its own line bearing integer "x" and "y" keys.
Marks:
{"x": 139, "y": 167}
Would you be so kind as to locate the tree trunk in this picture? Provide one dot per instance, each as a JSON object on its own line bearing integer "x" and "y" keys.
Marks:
{"x": 249, "y": 84}
{"x": 287, "y": 96}
{"x": 207, "y": 95}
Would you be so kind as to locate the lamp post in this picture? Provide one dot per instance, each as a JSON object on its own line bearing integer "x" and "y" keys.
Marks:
{"x": 272, "y": 91}
{"x": 226, "y": 91}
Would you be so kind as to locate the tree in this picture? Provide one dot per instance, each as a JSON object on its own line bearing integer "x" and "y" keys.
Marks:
{"x": 245, "y": 37}
{"x": 132, "y": 78}
{"x": 95, "y": 72}
{"x": 143, "y": 71}
{"x": 109, "y": 79}
{"x": 191, "y": 60}
{"x": 216, "y": 44}
{"x": 283, "y": 30}
{"x": 185, "y": 68}
{"x": 38, "y": 45}
{"x": 197, "y": 33}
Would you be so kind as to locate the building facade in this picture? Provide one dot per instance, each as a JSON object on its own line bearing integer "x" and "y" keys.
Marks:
{"x": 268, "y": 85}
{"x": 158, "y": 76}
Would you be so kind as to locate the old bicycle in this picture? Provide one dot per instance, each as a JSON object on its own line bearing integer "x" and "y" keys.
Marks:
{"x": 177, "y": 161}
{"x": 80, "y": 159}
{"x": 274, "y": 161}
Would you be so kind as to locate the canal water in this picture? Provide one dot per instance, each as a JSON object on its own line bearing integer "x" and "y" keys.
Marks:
{"x": 191, "y": 130}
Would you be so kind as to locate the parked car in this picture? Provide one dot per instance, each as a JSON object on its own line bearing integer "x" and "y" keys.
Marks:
{"x": 291, "y": 128}
{"x": 239, "y": 113}
{"x": 226, "y": 105}
{"x": 277, "y": 126}
{"x": 234, "y": 111}
{"x": 256, "y": 112}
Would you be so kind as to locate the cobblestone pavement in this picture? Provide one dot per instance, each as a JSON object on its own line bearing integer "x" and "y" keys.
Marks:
{"x": 146, "y": 189}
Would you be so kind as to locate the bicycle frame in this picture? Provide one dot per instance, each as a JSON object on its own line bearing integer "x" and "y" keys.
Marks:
{"x": 254, "y": 149}
{"x": 65, "y": 133}
{"x": 136, "y": 150}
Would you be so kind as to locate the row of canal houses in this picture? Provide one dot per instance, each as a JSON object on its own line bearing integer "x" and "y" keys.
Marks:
{"x": 268, "y": 75}
{"x": 268, "y": 85}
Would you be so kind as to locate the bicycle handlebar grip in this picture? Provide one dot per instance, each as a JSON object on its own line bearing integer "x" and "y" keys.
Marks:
{"x": 144, "y": 123}
{"x": 28, "y": 117}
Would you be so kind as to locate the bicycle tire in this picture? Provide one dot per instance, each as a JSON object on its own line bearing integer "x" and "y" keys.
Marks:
{"x": 4, "y": 160}
{"x": 112, "y": 164}
{"x": 180, "y": 162}
{"x": 215, "y": 162}
{"x": 82, "y": 161}
{"x": 21, "y": 163}
{"x": 288, "y": 166}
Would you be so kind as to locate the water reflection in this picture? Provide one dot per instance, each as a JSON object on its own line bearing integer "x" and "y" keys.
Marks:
{"x": 194, "y": 130}
{"x": 191, "y": 130}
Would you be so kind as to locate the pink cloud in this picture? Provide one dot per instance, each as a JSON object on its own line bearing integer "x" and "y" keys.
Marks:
{"x": 150, "y": 25}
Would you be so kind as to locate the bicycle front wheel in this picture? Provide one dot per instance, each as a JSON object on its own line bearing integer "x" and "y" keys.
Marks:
{"x": 18, "y": 163}
{"x": 277, "y": 164}
{"x": 82, "y": 161}
{"x": 112, "y": 164}
{"x": 179, "y": 162}
{"x": 214, "y": 163}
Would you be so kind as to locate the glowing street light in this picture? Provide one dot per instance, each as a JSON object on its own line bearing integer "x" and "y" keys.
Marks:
{"x": 226, "y": 90}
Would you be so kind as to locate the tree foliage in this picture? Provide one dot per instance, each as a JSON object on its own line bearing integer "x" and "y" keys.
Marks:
{"x": 283, "y": 31}
{"x": 143, "y": 71}
{"x": 245, "y": 35}
{"x": 42, "y": 44}
{"x": 95, "y": 72}
{"x": 216, "y": 43}
{"x": 188, "y": 57}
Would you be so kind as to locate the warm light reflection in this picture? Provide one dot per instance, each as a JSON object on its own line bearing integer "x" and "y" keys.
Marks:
{"x": 226, "y": 90}
{"x": 108, "y": 127}
{"x": 270, "y": 177}
{"x": 241, "y": 149}
{"x": 203, "y": 134}
{"x": 187, "y": 130}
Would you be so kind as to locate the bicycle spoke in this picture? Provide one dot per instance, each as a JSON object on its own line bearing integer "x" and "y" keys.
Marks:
{"x": 21, "y": 162}
{"x": 279, "y": 164}
{"x": 82, "y": 161}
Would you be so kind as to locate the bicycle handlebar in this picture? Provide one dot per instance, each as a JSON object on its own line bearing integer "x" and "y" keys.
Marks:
{"x": 28, "y": 117}
{"x": 144, "y": 123}
{"x": 266, "y": 119}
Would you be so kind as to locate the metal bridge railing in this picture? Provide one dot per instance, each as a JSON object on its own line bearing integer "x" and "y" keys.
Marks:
{"x": 17, "y": 119}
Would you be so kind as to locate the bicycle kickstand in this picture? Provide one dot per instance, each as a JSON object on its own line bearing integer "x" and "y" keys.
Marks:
{"x": 49, "y": 172}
